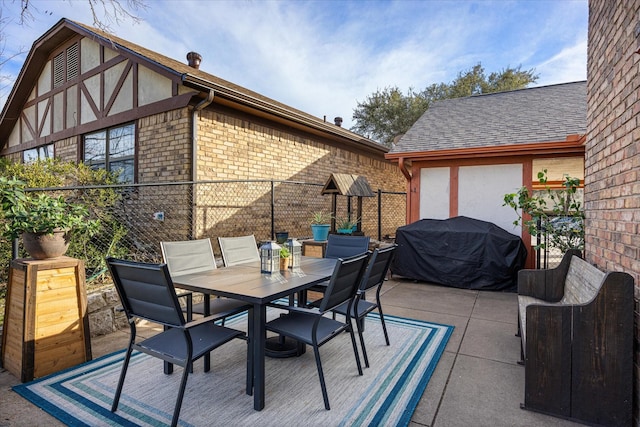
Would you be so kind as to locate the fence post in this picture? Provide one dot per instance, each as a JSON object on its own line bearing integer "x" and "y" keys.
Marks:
{"x": 273, "y": 211}
{"x": 379, "y": 214}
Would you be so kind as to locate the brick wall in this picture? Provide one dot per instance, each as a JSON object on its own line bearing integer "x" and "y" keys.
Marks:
{"x": 234, "y": 147}
{"x": 612, "y": 155}
{"x": 164, "y": 147}
{"x": 231, "y": 147}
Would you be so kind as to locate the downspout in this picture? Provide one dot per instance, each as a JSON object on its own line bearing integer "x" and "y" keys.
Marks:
{"x": 194, "y": 155}
{"x": 403, "y": 168}
{"x": 194, "y": 132}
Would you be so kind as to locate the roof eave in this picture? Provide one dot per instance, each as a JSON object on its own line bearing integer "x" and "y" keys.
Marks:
{"x": 289, "y": 115}
{"x": 573, "y": 145}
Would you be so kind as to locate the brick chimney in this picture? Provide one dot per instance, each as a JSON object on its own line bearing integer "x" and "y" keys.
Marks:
{"x": 338, "y": 121}
{"x": 194, "y": 59}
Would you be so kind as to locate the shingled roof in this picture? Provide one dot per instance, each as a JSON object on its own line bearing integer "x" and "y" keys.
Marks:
{"x": 539, "y": 114}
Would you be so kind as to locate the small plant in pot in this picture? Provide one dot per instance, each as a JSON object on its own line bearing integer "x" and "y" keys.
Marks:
{"x": 346, "y": 225}
{"x": 321, "y": 225}
{"x": 45, "y": 222}
{"x": 285, "y": 256}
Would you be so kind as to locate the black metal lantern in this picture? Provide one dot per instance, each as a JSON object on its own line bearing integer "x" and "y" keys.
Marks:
{"x": 270, "y": 257}
{"x": 295, "y": 248}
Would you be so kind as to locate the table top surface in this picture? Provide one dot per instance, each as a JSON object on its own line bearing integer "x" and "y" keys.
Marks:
{"x": 245, "y": 281}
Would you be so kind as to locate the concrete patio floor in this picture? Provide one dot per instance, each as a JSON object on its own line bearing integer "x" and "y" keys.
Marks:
{"x": 477, "y": 382}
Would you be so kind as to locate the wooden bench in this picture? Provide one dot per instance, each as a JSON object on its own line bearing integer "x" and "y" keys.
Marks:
{"x": 576, "y": 329}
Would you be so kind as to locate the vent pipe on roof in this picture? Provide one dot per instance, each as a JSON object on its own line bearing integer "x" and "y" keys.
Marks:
{"x": 338, "y": 121}
{"x": 194, "y": 59}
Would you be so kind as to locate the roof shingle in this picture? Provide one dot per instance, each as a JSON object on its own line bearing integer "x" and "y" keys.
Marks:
{"x": 539, "y": 114}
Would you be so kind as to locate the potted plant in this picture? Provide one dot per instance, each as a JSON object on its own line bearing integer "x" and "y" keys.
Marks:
{"x": 285, "y": 256}
{"x": 346, "y": 225}
{"x": 320, "y": 225}
{"x": 45, "y": 222}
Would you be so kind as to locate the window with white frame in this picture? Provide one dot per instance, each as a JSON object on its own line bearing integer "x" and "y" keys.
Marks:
{"x": 39, "y": 153}
{"x": 112, "y": 149}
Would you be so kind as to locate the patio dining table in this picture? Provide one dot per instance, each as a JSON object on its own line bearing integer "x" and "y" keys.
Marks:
{"x": 245, "y": 282}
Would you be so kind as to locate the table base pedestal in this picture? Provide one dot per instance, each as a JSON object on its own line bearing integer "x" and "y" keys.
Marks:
{"x": 281, "y": 347}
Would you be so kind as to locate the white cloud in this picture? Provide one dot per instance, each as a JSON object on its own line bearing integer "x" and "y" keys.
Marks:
{"x": 323, "y": 57}
{"x": 566, "y": 66}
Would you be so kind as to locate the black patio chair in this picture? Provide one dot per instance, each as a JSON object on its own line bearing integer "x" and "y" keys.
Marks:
{"x": 342, "y": 246}
{"x": 373, "y": 277}
{"x": 310, "y": 326}
{"x": 147, "y": 292}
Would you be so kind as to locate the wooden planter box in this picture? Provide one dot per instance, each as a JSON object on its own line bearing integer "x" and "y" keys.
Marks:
{"x": 314, "y": 248}
{"x": 46, "y": 324}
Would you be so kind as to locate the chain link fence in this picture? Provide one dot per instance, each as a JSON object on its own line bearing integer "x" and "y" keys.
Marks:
{"x": 135, "y": 218}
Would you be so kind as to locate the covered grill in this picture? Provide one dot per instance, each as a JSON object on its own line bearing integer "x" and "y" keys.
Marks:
{"x": 460, "y": 252}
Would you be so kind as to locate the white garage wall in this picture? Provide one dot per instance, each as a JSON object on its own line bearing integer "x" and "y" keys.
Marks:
{"x": 434, "y": 193}
{"x": 481, "y": 191}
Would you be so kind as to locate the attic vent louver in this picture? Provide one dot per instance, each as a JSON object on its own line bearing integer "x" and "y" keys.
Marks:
{"x": 66, "y": 65}
{"x": 58, "y": 70}
{"x": 72, "y": 62}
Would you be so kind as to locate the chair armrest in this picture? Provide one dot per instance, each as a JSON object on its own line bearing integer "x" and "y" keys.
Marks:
{"x": 189, "y": 296}
{"x": 302, "y": 310}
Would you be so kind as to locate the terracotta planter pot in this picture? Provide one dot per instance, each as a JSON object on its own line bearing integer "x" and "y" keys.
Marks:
{"x": 284, "y": 263}
{"x": 45, "y": 246}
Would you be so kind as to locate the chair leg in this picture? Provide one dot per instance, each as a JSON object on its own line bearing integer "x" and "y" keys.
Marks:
{"x": 123, "y": 373}
{"x": 355, "y": 348}
{"x": 384, "y": 325}
{"x": 183, "y": 384}
{"x": 316, "y": 351}
{"x": 364, "y": 348}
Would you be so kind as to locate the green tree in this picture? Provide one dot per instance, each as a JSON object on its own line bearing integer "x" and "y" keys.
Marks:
{"x": 388, "y": 113}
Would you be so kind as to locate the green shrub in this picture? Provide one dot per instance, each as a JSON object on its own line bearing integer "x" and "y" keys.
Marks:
{"x": 560, "y": 212}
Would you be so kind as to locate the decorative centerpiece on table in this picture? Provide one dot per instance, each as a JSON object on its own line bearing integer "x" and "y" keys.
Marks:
{"x": 270, "y": 257}
{"x": 285, "y": 257}
{"x": 45, "y": 222}
{"x": 321, "y": 225}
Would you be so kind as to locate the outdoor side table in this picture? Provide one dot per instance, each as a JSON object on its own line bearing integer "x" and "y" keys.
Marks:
{"x": 314, "y": 248}
{"x": 46, "y": 324}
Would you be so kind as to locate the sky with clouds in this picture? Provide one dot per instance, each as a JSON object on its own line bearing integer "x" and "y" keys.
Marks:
{"x": 325, "y": 56}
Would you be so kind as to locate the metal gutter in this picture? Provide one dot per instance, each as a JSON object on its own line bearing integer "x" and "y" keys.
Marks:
{"x": 260, "y": 104}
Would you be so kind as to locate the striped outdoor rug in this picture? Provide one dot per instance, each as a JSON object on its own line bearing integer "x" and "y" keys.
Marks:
{"x": 387, "y": 393}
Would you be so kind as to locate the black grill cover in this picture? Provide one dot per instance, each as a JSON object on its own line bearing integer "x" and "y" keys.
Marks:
{"x": 460, "y": 252}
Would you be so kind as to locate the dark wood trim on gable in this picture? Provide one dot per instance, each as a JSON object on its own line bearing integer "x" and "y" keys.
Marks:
{"x": 44, "y": 114}
{"x": 117, "y": 88}
{"x": 124, "y": 117}
{"x": 96, "y": 111}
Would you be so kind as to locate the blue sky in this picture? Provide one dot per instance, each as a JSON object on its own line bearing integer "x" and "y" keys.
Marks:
{"x": 325, "y": 56}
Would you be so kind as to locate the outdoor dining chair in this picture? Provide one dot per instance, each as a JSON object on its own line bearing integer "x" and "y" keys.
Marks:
{"x": 195, "y": 256}
{"x": 147, "y": 292}
{"x": 312, "y": 327}
{"x": 342, "y": 246}
{"x": 373, "y": 277}
{"x": 239, "y": 250}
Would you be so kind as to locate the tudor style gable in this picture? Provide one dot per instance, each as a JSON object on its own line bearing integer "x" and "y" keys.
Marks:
{"x": 86, "y": 84}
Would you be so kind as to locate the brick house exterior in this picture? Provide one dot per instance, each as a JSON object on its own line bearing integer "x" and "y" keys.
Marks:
{"x": 188, "y": 125}
{"x": 612, "y": 152}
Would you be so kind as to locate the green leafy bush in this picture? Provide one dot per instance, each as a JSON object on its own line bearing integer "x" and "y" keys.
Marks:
{"x": 559, "y": 211}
